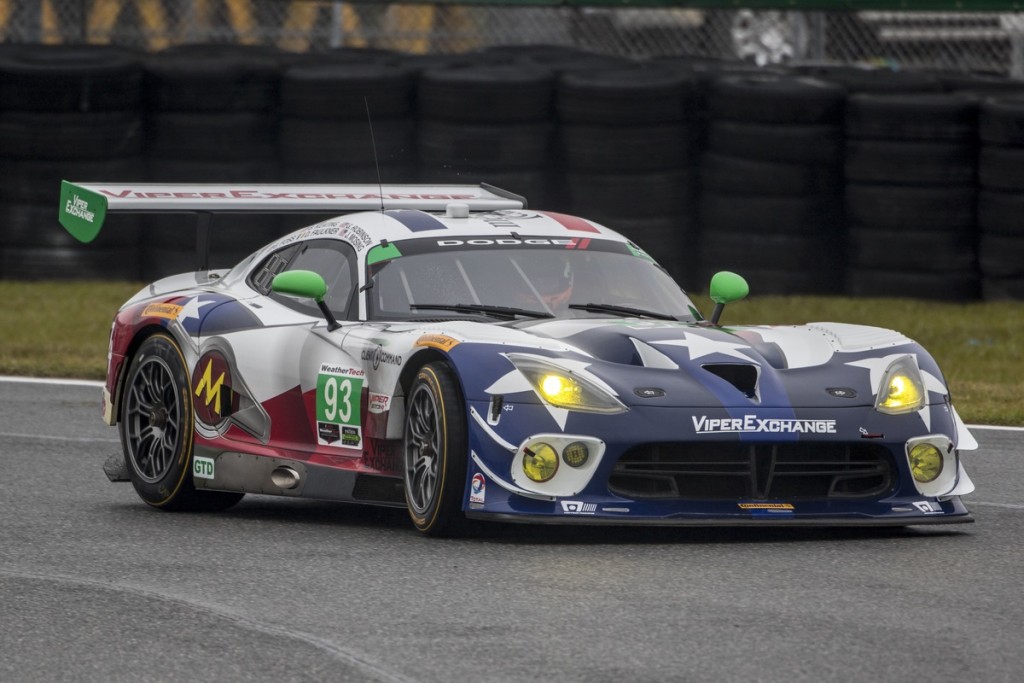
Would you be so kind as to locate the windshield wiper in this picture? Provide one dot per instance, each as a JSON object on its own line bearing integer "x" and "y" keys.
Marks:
{"x": 624, "y": 310}
{"x": 505, "y": 312}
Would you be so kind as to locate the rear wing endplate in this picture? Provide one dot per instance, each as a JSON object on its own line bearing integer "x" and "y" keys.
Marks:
{"x": 84, "y": 206}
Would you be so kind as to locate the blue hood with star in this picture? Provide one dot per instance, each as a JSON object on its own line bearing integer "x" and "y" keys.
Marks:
{"x": 828, "y": 365}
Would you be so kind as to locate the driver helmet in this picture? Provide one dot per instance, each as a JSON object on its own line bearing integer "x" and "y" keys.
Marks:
{"x": 553, "y": 282}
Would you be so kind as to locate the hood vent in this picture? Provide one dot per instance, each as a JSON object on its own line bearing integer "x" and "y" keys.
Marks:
{"x": 742, "y": 376}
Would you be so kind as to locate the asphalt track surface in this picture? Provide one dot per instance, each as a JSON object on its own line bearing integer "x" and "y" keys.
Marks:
{"x": 95, "y": 586}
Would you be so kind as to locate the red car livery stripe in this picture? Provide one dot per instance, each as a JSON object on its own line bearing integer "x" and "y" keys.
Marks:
{"x": 570, "y": 222}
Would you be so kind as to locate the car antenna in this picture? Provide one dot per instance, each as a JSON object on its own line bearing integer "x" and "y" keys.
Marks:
{"x": 373, "y": 145}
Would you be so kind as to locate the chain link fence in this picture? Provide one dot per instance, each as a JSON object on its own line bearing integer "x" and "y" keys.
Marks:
{"x": 979, "y": 41}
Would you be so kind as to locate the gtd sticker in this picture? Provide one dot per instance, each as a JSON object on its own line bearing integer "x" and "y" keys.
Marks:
{"x": 202, "y": 468}
{"x": 338, "y": 400}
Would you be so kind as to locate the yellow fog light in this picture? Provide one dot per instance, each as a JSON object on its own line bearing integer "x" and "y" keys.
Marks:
{"x": 925, "y": 462}
{"x": 576, "y": 454}
{"x": 540, "y": 462}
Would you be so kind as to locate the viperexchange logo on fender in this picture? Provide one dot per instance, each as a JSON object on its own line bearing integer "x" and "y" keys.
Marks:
{"x": 754, "y": 424}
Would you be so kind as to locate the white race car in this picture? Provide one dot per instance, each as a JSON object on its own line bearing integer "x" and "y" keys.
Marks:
{"x": 449, "y": 350}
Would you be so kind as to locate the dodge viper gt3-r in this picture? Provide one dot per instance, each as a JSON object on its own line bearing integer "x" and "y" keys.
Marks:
{"x": 447, "y": 350}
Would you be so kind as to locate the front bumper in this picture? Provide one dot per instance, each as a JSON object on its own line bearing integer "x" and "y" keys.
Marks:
{"x": 497, "y": 492}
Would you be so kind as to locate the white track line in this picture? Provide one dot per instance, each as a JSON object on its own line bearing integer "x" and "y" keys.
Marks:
{"x": 47, "y": 437}
{"x": 51, "y": 380}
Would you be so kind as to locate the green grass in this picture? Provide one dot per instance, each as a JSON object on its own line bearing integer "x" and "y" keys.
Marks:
{"x": 60, "y": 329}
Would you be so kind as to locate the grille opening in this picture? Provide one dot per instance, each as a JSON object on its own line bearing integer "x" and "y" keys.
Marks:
{"x": 732, "y": 471}
{"x": 741, "y": 376}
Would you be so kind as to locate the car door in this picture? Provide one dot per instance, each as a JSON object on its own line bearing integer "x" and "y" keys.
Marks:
{"x": 270, "y": 365}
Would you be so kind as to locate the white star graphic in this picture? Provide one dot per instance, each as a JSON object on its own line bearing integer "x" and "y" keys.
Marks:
{"x": 700, "y": 346}
{"x": 191, "y": 309}
{"x": 652, "y": 357}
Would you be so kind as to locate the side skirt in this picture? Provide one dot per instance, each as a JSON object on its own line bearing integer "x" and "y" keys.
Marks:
{"x": 232, "y": 471}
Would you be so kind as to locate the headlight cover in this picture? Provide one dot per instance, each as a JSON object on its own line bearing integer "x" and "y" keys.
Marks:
{"x": 565, "y": 389}
{"x": 901, "y": 389}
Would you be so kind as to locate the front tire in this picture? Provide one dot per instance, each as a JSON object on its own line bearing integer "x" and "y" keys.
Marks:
{"x": 157, "y": 427}
{"x": 435, "y": 451}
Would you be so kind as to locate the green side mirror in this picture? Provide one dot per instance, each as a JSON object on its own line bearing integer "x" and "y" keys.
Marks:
{"x": 726, "y": 287}
{"x": 304, "y": 283}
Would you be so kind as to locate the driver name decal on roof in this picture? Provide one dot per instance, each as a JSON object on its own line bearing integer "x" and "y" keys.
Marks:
{"x": 339, "y": 393}
{"x": 358, "y": 237}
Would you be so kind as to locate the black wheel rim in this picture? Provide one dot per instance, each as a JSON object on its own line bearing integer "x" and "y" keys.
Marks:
{"x": 422, "y": 449}
{"x": 153, "y": 419}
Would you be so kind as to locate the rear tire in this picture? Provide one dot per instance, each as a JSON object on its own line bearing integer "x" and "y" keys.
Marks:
{"x": 157, "y": 423}
{"x": 435, "y": 451}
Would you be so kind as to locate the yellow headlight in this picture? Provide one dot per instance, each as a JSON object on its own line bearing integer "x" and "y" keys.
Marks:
{"x": 925, "y": 462}
{"x": 901, "y": 389}
{"x": 903, "y": 393}
{"x": 540, "y": 462}
{"x": 560, "y": 390}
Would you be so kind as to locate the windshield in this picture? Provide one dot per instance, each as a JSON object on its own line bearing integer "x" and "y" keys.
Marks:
{"x": 606, "y": 279}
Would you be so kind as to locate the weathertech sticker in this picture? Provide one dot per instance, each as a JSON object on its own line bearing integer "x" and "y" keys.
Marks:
{"x": 338, "y": 402}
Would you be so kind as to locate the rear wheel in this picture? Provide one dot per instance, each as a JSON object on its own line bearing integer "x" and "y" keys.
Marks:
{"x": 157, "y": 427}
{"x": 435, "y": 451}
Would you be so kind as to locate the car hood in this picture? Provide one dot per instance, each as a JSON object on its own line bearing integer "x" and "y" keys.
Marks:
{"x": 816, "y": 364}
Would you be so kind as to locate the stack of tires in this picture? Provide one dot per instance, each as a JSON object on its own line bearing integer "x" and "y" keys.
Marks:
{"x": 771, "y": 178}
{"x": 212, "y": 116}
{"x": 486, "y": 123}
{"x": 66, "y": 113}
{"x": 334, "y": 115}
{"x": 627, "y": 141}
{"x": 910, "y": 195}
{"x": 1001, "y": 200}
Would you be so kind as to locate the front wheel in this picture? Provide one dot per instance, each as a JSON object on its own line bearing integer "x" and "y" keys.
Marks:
{"x": 435, "y": 451}
{"x": 157, "y": 423}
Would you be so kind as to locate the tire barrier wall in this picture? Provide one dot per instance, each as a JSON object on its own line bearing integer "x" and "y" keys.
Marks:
{"x": 809, "y": 179}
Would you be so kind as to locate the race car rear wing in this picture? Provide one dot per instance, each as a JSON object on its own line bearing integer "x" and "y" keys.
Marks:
{"x": 84, "y": 206}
